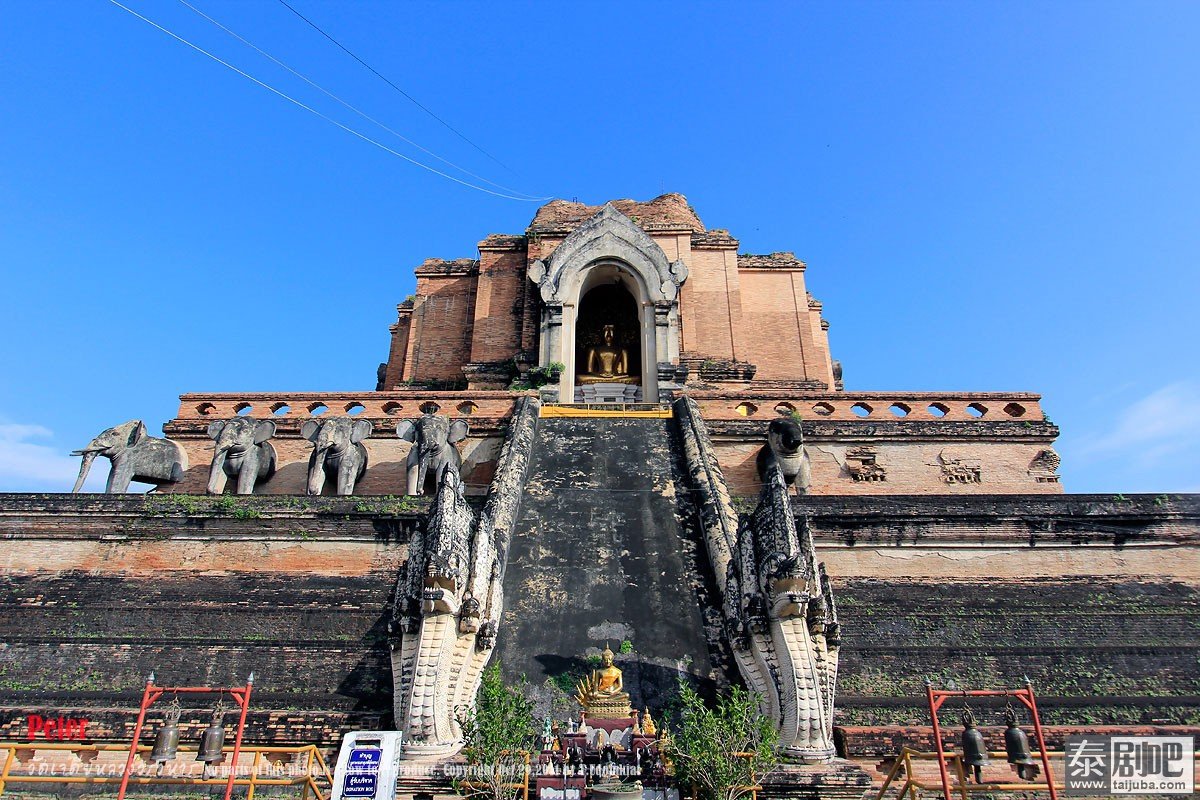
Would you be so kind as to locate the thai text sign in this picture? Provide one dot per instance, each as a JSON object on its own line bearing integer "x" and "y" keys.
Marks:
{"x": 362, "y": 772}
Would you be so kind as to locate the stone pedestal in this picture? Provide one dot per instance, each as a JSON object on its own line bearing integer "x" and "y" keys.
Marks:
{"x": 836, "y": 780}
{"x": 608, "y": 393}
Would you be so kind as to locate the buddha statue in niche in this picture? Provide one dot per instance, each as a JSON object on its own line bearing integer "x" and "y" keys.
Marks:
{"x": 606, "y": 362}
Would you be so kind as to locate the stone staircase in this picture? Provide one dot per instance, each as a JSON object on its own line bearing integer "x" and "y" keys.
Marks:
{"x": 604, "y": 550}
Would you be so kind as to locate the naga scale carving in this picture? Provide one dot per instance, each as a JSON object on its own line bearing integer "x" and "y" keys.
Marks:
{"x": 448, "y": 599}
{"x": 778, "y": 606}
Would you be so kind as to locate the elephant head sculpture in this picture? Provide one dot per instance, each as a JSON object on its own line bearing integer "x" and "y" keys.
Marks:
{"x": 241, "y": 451}
{"x": 433, "y": 451}
{"x": 785, "y": 446}
{"x": 135, "y": 456}
{"x": 338, "y": 452}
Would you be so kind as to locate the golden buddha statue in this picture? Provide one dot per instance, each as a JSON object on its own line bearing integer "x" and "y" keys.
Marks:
{"x": 606, "y": 363}
{"x": 602, "y": 693}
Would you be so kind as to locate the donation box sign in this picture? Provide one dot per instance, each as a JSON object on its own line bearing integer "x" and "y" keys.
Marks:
{"x": 367, "y": 766}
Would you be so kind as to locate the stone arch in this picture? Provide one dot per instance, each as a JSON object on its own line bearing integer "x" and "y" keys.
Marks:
{"x": 609, "y": 246}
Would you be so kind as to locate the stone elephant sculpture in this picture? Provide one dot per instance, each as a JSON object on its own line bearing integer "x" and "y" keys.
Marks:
{"x": 785, "y": 446}
{"x": 433, "y": 451}
{"x": 338, "y": 452}
{"x": 242, "y": 451}
{"x": 135, "y": 456}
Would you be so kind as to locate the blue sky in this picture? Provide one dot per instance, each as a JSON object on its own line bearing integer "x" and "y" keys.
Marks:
{"x": 989, "y": 196}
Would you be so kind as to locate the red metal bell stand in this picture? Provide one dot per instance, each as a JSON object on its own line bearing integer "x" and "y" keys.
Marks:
{"x": 939, "y": 696}
{"x": 152, "y": 692}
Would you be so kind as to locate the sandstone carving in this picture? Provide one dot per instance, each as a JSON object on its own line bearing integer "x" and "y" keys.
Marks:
{"x": 338, "y": 452}
{"x": 449, "y": 597}
{"x": 135, "y": 456}
{"x": 785, "y": 448}
{"x": 433, "y": 451}
{"x": 778, "y": 606}
{"x": 1044, "y": 467}
{"x": 242, "y": 452}
{"x": 863, "y": 466}
{"x": 959, "y": 470}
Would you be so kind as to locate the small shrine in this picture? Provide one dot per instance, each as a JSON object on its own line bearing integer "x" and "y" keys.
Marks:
{"x": 612, "y": 751}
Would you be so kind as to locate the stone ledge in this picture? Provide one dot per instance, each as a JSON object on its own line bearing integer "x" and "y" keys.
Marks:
{"x": 843, "y": 431}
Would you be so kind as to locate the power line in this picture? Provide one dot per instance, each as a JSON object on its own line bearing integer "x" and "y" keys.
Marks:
{"x": 312, "y": 110}
{"x": 356, "y": 110}
{"x": 394, "y": 86}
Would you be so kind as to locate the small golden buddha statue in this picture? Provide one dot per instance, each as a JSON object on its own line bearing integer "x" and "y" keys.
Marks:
{"x": 606, "y": 363}
{"x": 648, "y": 726}
{"x": 602, "y": 693}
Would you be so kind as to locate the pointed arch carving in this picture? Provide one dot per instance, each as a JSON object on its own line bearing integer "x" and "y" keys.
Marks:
{"x": 611, "y": 236}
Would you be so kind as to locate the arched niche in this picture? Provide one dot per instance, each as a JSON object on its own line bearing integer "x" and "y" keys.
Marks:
{"x": 609, "y": 249}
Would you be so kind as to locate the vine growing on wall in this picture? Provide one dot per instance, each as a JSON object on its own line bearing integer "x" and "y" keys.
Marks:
{"x": 538, "y": 377}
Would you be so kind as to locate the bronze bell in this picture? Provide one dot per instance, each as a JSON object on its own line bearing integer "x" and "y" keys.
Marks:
{"x": 1016, "y": 744}
{"x": 212, "y": 740}
{"x": 166, "y": 741}
{"x": 975, "y": 753}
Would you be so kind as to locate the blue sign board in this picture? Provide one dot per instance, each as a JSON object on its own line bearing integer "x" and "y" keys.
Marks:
{"x": 362, "y": 772}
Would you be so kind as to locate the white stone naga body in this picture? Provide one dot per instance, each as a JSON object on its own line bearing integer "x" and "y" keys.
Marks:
{"x": 448, "y": 599}
{"x": 778, "y": 606}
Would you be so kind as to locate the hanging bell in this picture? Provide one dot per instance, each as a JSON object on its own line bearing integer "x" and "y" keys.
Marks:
{"x": 975, "y": 753}
{"x": 166, "y": 741}
{"x": 212, "y": 740}
{"x": 1016, "y": 744}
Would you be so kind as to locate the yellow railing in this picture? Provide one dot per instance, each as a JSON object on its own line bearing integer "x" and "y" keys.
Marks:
{"x": 607, "y": 410}
{"x": 305, "y": 759}
{"x": 913, "y": 784}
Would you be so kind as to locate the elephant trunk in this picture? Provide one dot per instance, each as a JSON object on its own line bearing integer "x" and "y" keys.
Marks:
{"x": 316, "y": 471}
{"x": 88, "y": 457}
{"x": 218, "y": 468}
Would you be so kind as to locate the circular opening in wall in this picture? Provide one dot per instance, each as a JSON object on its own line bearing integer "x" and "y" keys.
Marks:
{"x": 467, "y": 407}
{"x": 243, "y": 409}
{"x": 786, "y": 409}
{"x": 900, "y": 409}
{"x": 392, "y": 408}
{"x": 317, "y": 409}
{"x": 861, "y": 410}
{"x": 746, "y": 409}
{"x": 205, "y": 409}
{"x": 354, "y": 409}
{"x": 279, "y": 409}
{"x": 938, "y": 410}
{"x": 430, "y": 407}
{"x": 824, "y": 409}
{"x": 976, "y": 410}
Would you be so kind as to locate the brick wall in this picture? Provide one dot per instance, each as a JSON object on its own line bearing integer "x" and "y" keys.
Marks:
{"x": 95, "y": 592}
{"x": 710, "y": 305}
{"x": 440, "y": 341}
{"x": 499, "y": 305}
{"x": 1095, "y": 598}
{"x": 398, "y": 350}
{"x": 775, "y": 325}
